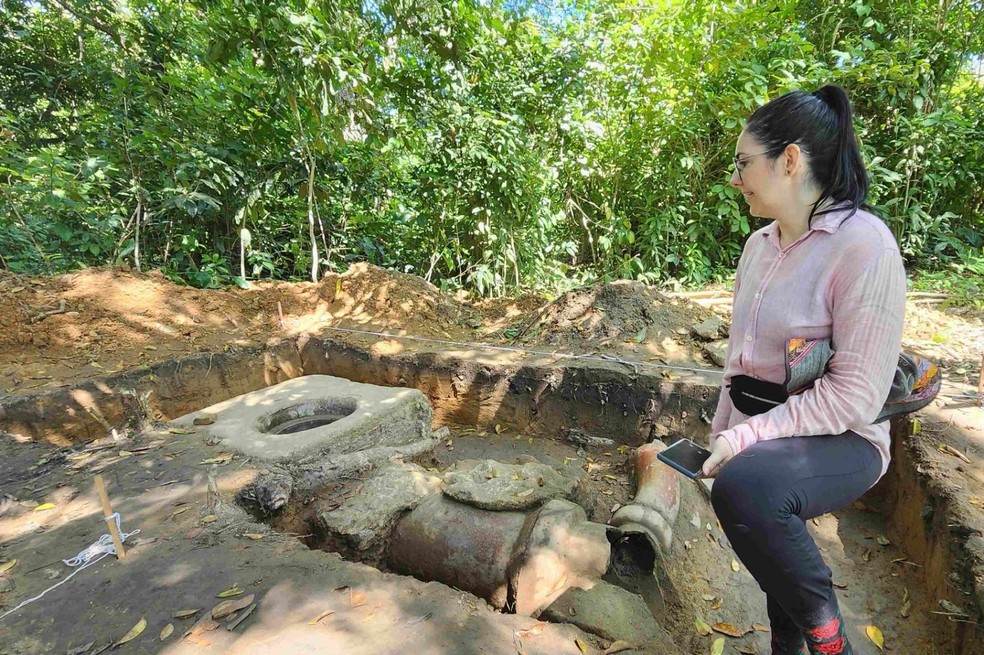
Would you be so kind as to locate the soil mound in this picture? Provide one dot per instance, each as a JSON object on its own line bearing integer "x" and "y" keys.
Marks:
{"x": 616, "y": 312}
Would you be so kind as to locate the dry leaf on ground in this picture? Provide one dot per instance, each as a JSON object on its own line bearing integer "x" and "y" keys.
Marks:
{"x": 735, "y": 566}
{"x": 875, "y": 635}
{"x": 228, "y": 593}
{"x": 234, "y": 623}
{"x": 166, "y": 632}
{"x": 357, "y": 598}
{"x": 227, "y": 607}
{"x": 318, "y": 618}
{"x": 6, "y": 566}
{"x": 133, "y": 633}
{"x": 581, "y": 646}
{"x": 717, "y": 648}
{"x": 702, "y": 627}
{"x": 617, "y": 647}
{"x": 184, "y": 614}
{"x": 532, "y": 631}
{"x": 727, "y": 629}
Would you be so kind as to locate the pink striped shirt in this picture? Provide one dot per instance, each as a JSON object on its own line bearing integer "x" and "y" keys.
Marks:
{"x": 842, "y": 280}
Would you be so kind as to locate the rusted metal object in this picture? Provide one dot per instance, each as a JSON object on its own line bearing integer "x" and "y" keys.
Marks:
{"x": 654, "y": 509}
{"x": 517, "y": 561}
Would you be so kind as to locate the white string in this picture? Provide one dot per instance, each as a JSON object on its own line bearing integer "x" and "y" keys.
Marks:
{"x": 485, "y": 346}
{"x": 91, "y": 555}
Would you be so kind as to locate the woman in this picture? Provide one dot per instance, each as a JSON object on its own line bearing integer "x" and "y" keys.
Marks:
{"x": 824, "y": 274}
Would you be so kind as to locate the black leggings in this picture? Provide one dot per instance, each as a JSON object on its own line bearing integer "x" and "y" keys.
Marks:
{"x": 764, "y": 495}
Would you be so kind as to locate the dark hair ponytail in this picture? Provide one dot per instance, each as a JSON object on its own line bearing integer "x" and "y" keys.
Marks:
{"x": 821, "y": 124}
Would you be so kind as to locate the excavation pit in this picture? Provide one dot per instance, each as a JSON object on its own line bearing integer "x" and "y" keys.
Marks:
{"x": 502, "y": 410}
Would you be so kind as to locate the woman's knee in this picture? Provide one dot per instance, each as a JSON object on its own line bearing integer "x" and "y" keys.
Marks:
{"x": 741, "y": 493}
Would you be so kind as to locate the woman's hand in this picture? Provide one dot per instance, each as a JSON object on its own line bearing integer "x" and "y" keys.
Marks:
{"x": 720, "y": 455}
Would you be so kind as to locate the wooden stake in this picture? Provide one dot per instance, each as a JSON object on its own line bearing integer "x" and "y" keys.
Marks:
{"x": 980, "y": 385}
{"x": 107, "y": 512}
{"x": 280, "y": 311}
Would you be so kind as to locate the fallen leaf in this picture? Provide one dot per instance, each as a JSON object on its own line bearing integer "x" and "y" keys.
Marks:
{"x": 523, "y": 494}
{"x": 234, "y": 591}
{"x": 184, "y": 614}
{"x": 211, "y": 518}
{"x": 702, "y": 628}
{"x": 735, "y": 566}
{"x": 498, "y": 429}
{"x": 45, "y": 507}
{"x": 581, "y": 646}
{"x": 180, "y": 431}
{"x": 882, "y": 541}
{"x": 641, "y": 335}
{"x": 860, "y": 506}
{"x": 29, "y": 504}
{"x": 225, "y": 458}
{"x": 356, "y": 598}
{"x": 840, "y": 585}
{"x": 228, "y": 607}
{"x": 716, "y": 605}
{"x": 906, "y": 604}
{"x": 318, "y": 618}
{"x": 234, "y": 623}
{"x": 531, "y": 631}
{"x": 727, "y": 629}
{"x": 342, "y": 587}
{"x": 253, "y": 536}
{"x": 166, "y": 632}
{"x": 133, "y": 633}
{"x": 866, "y": 555}
{"x": 205, "y": 624}
{"x": 6, "y": 566}
{"x": 875, "y": 635}
{"x": 708, "y": 597}
{"x": 916, "y": 426}
{"x": 718, "y": 646}
{"x": 125, "y": 453}
{"x": 180, "y": 510}
{"x": 758, "y": 627}
{"x": 617, "y": 647}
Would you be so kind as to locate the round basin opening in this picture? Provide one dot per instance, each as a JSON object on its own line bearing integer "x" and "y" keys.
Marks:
{"x": 307, "y": 415}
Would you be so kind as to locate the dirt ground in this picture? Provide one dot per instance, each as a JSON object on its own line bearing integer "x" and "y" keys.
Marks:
{"x": 115, "y": 320}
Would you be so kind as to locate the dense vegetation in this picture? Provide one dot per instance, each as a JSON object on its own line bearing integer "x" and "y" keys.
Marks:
{"x": 489, "y": 144}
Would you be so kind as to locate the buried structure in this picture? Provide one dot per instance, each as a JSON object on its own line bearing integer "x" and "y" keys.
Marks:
{"x": 537, "y": 508}
{"x": 504, "y": 532}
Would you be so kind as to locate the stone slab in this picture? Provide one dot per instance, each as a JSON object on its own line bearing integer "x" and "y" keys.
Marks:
{"x": 612, "y": 613}
{"x": 364, "y": 522}
{"x": 497, "y": 486}
{"x": 374, "y": 416}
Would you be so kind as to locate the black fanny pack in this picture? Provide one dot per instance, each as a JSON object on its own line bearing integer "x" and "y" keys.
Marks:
{"x": 917, "y": 381}
{"x": 752, "y": 397}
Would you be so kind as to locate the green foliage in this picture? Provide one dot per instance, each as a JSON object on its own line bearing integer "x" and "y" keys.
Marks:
{"x": 490, "y": 145}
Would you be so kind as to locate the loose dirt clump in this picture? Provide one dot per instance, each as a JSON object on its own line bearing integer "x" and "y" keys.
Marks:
{"x": 619, "y": 314}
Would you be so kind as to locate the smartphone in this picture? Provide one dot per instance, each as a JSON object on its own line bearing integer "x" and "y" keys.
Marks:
{"x": 686, "y": 457}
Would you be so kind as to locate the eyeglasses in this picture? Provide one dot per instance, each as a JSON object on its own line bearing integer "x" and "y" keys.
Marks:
{"x": 740, "y": 162}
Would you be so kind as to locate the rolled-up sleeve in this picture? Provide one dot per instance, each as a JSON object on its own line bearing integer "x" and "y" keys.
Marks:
{"x": 868, "y": 309}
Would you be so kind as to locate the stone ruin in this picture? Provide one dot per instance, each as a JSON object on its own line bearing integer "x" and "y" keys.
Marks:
{"x": 504, "y": 531}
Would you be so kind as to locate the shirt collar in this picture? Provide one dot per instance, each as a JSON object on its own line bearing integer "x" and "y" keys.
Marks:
{"x": 828, "y": 222}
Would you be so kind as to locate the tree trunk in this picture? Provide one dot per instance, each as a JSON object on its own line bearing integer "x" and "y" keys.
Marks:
{"x": 314, "y": 242}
